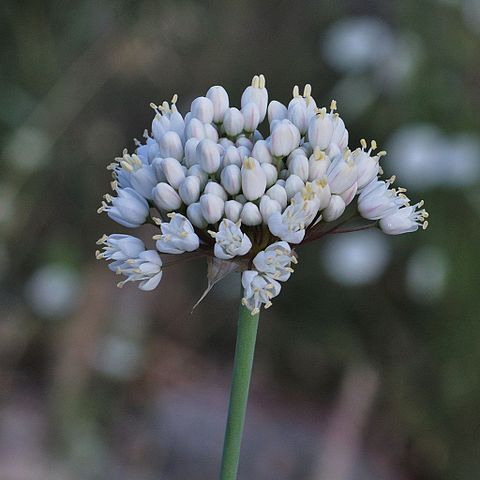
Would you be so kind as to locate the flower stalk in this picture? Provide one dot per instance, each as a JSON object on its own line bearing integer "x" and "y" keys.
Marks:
{"x": 242, "y": 371}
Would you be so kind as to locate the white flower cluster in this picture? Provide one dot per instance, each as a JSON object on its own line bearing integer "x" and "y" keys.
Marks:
{"x": 212, "y": 181}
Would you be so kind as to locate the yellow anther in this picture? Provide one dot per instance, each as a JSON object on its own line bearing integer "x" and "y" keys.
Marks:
{"x": 102, "y": 239}
{"x": 249, "y": 163}
{"x": 318, "y": 154}
{"x": 333, "y": 105}
{"x": 126, "y": 166}
{"x": 307, "y": 91}
{"x": 363, "y": 143}
{"x": 373, "y": 144}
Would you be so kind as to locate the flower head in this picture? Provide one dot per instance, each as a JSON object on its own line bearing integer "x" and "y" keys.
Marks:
{"x": 217, "y": 182}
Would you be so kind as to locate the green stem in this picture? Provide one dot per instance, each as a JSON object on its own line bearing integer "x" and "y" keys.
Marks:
{"x": 242, "y": 370}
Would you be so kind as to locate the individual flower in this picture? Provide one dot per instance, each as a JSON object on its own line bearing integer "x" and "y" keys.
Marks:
{"x": 177, "y": 235}
{"x": 258, "y": 290}
{"x": 378, "y": 200}
{"x": 119, "y": 248}
{"x": 128, "y": 208}
{"x": 230, "y": 241}
{"x": 275, "y": 261}
{"x": 404, "y": 220}
{"x": 145, "y": 268}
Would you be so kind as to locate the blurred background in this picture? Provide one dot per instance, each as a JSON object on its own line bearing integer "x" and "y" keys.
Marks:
{"x": 367, "y": 366}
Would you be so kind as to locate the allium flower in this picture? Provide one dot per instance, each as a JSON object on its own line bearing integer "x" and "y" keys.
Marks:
{"x": 220, "y": 183}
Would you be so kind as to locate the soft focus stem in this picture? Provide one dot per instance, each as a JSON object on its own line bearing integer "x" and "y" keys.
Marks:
{"x": 242, "y": 371}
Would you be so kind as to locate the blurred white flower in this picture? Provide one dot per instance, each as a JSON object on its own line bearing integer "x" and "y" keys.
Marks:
{"x": 355, "y": 44}
{"x": 433, "y": 159}
{"x": 53, "y": 290}
{"x": 118, "y": 357}
{"x": 27, "y": 149}
{"x": 426, "y": 275}
{"x": 357, "y": 258}
{"x": 356, "y": 93}
{"x": 398, "y": 67}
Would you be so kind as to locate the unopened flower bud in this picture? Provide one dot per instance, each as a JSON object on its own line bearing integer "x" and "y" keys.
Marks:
{"x": 202, "y": 108}
{"x": 261, "y": 152}
{"x": 173, "y": 172}
{"x": 271, "y": 173}
{"x": 293, "y": 185}
{"x": 194, "y": 129}
{"x": 233, "y": 210}
{"x": 285, "y": 138}
{"x": 268, "y": 207}
{"x": 196, "y": 170}
{"x": 335, "y": 209}
{"x": 276, "y": 111}
{"x": 191, "y": 151}
{"x": 189, "y": 190}
{"x": 243, "y": 141}
{"x": 208, "y": 155}
{"x": 225, "y": 142}
{"x": 278, "y": 193}
{"x": 195, "y": 215}
{"x": 216, "y": 189}
{"x": 299, "y": 166}
{"x": 219, "y": 97}
{"x": 251, "y": 215}
{"x": 251, "y": 116}
{"x": 254, "y": 180}
{"x": 212, "y": 207}
{"x": 233, "y": 122}
{"x": 166, "y": 198}
{"x": 232, "y": 157}
{"x": 170, "y": 145}
{"x": 210, "y": 132}
{"x": 231, "y": 179}
{"x": 244, "y": 151}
